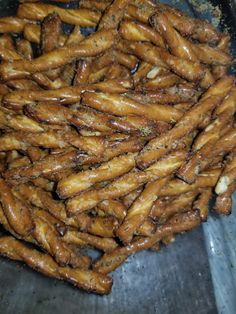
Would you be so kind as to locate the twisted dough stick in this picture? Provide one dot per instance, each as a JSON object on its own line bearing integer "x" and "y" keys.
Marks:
{"x": 126, "y": 183}
{"x": 18, "y": 122}
{"x": 93, "y": 120}
{"x": 140, "y": 210}
{"x": 18, "y": 215}
{"x": 203, "y": 157}
{"x": 191, "y": 119}
{"x": 226, "y": 187}
{"x": 113, "y": 14}
{"x": 91, "y": 46}
{"x": 12, "y": 24}
{"x": 66, "y": 96}
{"x": 81, "y": 181}
{"x": 38, "y": 11}
{"x": 85, "y": 279}
{"x": 33, "y": 227}
{"x": 134, "y": 31}
{"x": 181, "y": 223}
{"x": 121, "y": 106}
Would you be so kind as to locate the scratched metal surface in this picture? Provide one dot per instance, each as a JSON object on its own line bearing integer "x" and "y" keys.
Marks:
{"x": 197, "y": 274}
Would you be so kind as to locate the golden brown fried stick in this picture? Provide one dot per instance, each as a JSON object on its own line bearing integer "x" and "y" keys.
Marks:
{"x": 206, "y": 179}
{"x": 17, "y": 214}
{"x": 228, "y": 105}
{"x": 188, "y": 26}
{"x": 191, "y": 119}
{"x": 131, "y": 197}
{"x": 83, "y": 71}
{"x": 38, "y": 11}
{"x": 85, "y": 279}
{"x": 43, "y": 184}
{"x": 47, "y": 237}
{"x": 86, "y": 239}
{"x": 163, "y": 210}
{"x": 134, "y": 31}
{"x": 147, "y": 228}
{"x": 38, "y": 197}
{"x": 104, "y": 227}
{"x": 116, "y": 70}
{"x": 113, "y": 14}
{"x": 202, "y": 203}
{"x": 220, "y": 125}
{"x": 127, "y": 60}
{"x": 51, "y": 29}
{"x": 50, "y": 32}
{"x": 122, "y": 106}
{"x": 112, "y": 208}
{"x": 183, "y": 48}
{"x": 140, "y": 210}
{"x": 32, "y": 32}
{"x": 24, "y": 48}
{"x": 192, "y": 71}
{"x": 203, "y": 157}
{"x": 220, "y": 70}
{"x": 9, "y": 54}
{"x": 140, "y": 12}
{"x": 178, "y": 45}
{"x": 18, "y": 122}
{"x": 12, "y": 24}
{"x": 46, "y": 166}
{"x": 22, "y": 140}
{"x": 65, "y": 95}
{"x": 137, "y": 124}
{"x": 81, "y": 117}
{"x": 91, "y": 46}
{"x": 226, "y": 186}
{"x": 160, "y": 82}
{"x": 97, "y": 76}
{"x": 126, "y": 183}
{"x": 181, "y": 223}
{"x": 83, "y": 180}
{"x": 67, "y": 74}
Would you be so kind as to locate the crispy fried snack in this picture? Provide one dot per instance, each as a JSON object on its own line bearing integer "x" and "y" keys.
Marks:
{"x": 226, "y": 186}
{"x": 85, "y": 279}
{"x": 126, "y": 183}
{"x": 12, "y": 24}
{"x": 38, "y": 11}
{"x": 191, "y": 119}
{"x": 203, "y": 157}
{"x": 140, "y": 210}
{"x": 123, "y": 106}
{"x": 113, "y": 14}
{"x": 17, "y": 214}
{"x": 181, "y": 223}
{"x": 84, "y": 180}
{"x": 116, "y": 140}
{"x": 92, "y": 46}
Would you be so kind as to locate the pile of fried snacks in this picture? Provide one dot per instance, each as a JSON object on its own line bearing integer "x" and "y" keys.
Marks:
{"x": 117, "y": 140}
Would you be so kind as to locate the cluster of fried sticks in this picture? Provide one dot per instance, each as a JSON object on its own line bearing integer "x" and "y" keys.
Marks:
{"x": 116, "y": 141}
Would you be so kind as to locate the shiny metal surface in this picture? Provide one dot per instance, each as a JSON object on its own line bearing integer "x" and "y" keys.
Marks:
{"x": 197, "y": 274}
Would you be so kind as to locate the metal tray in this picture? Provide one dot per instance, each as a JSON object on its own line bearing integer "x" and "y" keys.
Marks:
{"x": 196, "y": 274}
